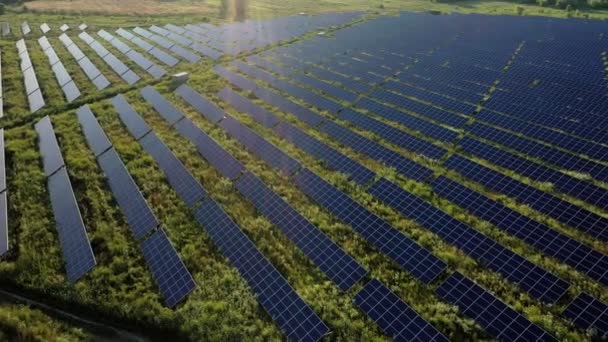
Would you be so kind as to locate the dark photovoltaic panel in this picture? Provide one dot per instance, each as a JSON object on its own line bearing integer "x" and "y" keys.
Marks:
{"x": 71, "y": 91}
{"x": 186, "y": 186}
{"x": 341, "y": 268}
{"x": 260, "y": 146}
{"x": 2, "y": 162}
{"x": 533, "y": 279}
{"x": 135, "y": 124}
{"x": 116, "y": 64}
{"x": 588, "y": 313}
{"x": 201, "y": 104}
{"x": 4, "y": 243}
{"x": 408, "y": 254}
{"x": 49, "y": 148}
{"x": 295, "y": 318}
{"x": 493, "y": 315}
{"x": 133, "y": 205}
{"x": 225, "y": 163}
{"x": 372, "y": 149}
{"x": 394, "y": 316}
{"x": 171, "y": 275}
{"x": 161, "y": 105}
{"x": 75, "y": 245}
{"x": 561, "y": 210}
{"x": 96, "y": 138}
{"x": 260, "y": 115}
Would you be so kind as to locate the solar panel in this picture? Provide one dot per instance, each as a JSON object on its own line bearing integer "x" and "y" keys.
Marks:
{"x": 242, "y": 104}
{"x": 71, "y": 91}
{"x": 331, "y": 158}
{"x": 234, "y": 78}
{"x": 341, "y": 268}
{"x": 35, "y": 100}
{"x": 493, "y": 315}
{"x": 94, "y": 134}
{"x": 75, "y": 245}
{"x": 139, "y": 216}
{"x": 25, "y": 28}
{"x": 538, "y": 282}
{"x": 225, "y": 163}
{"x": 170, "y": 273}
{"x": 302, "y": 113}
{"x": 119, "y": 67}
{"x": 76, "y": 52}
{"x": 295, "y": 318}
{"x": 49, "y": 148}
{"x": 2, "y": 162}
{"x": 186, "y": 54}
{"x": 135, "y": 124}
{"x": 161, "y": 105}
{"x": 393, "y": 315}
{"x": 101, "y": 82}
{"x": 64, "y": 27}
{"x": 82, "y": 27}
{"x": 44, "y": 43}
{"x": 181, "y": 180}
{"x": 376, "y": 151}
{"x": 61, "y": 74}
{"x": 4, "y": 243}
{"x": 45, "y": 28}
{"x": 259, "y": 146}
{"x": 201, "y": 104}
{"x": 130, "y": 77}
{"x": 588, "y": 313}
{"x": 408, "y": 254}
{"x": 392, "y": 134}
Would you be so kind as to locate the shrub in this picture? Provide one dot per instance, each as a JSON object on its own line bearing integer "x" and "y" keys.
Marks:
{"x": 520, "y": 10}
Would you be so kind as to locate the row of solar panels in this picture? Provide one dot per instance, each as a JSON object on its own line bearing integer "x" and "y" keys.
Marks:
{"x": 307, "y": 181}
{"x": 575, "y": 216}
{"x": 61, "y": 74}
{"x": 437, "y": 132}
{"x": 170, "y": 274}
{"x": 5, "y": 28}
{"x": 32, "y": 88}
{"x": 548, "y": 289}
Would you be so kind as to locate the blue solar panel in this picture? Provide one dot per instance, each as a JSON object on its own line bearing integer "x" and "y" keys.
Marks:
{"x": 262, "y": 116}
{"x": 302, "y": 113}
{"x": 412, "y": 122}
{"x": 561, "y": 210}
{"x": 376, "y": 151}
{"x": 394, "y": 316}
{"x": 49, "y": 148}
{"x": 564, "y": 183}
{"x": 330, "y": 157}
{"x": 536, "y": 281}
{"x": 96, "y": 137}
{"x": 171, "y": 275}
{"x": 341, "y": 268}
{"x": 225, "y": 163}
{"x": 392, "y": 134}
{"x": 161, "y": 105}
{"x": 495, "y": 316}
{"x": 201, "y": 104}
{"x": 235, "y": 78}
{"x": 551, "y": 242}
{"x": 139, "y": 216}
{"x": 135, "y": 124}
{"x": 4, "y": 242}
{"x": 280, "y": 300}
{"x": 260, "y": 146}
{"x": 412, "y": 257}
{"x": 181, "y": 180}
{"x": 75, "y": 245}
{"x": 588, "y": 313}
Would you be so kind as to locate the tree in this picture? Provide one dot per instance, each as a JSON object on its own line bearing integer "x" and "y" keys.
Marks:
{"x": 1, "y": 8}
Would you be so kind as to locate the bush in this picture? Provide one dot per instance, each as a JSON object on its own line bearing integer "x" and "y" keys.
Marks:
{"x": 1, "y": 8}
{"x": 520, "y": 10}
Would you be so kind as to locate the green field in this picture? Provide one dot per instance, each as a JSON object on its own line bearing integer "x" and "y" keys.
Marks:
{"x": 120, "y": 291}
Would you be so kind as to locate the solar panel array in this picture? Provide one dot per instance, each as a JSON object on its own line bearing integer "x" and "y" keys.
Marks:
{"x": 589, "y": 313}
{"x": 395, "y": 317}
{"x": 1, "y": 97}
{"x": 92, "y": 72}
{"x": 171, "y": 275}
{"x": 328, "y": 256}
{"x": 25, "y": 28}
{"x": 4, "y": 238}
{"x": 119, "y": 67}
{"x": 32, "y": 88}
{"x": 69, "y": 88}
{"x": 138, "y": 58}
{"x": 158, "y": 53}
{"x": 411, "y": 97}
{"x": 75, "y": 244}
{"x": 280, "y": 300}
